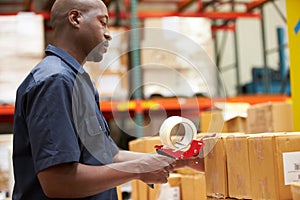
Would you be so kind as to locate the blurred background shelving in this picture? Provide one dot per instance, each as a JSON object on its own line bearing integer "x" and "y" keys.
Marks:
{"x": 247, "y": 44}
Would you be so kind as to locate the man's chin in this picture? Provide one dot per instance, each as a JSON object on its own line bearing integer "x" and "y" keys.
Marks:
{"x": 95, "y": 58}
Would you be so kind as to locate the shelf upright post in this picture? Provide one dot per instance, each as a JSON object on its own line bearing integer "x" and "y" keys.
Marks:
{"x": 293, "y": 22}
{"x": 266, "y": 77}
{"x": 137, "y": 75}
{"x": 237, "y": 64}
{"x": 236, "y": 53}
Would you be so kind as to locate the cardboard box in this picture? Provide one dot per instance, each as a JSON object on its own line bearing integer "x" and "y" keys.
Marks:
{"x": 238, "y": 167}
{"x": 139, "y": 190}
{"x": 263, "y": 170}
{"x": 295, "y": 188}
{"x": 236, "y": 124}
{"x": 288, "y": 162}
{"x": 270, "y": 117}
{"x": 170, "y": 190}
{"x": 274, "y": 160}
{"x": 229, "y": 117}
{"x": 119, "y": 192}
{"x": 212, "y": 121}
{"x": 144, "y": 144}
{"x": 193, "y": 187}
{"x": 187, "y": 171}
{"x": 215, "y": 167}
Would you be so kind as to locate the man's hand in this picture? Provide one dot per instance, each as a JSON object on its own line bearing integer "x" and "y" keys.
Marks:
{"x": 149, "y": 168}
{"x": 155, "y": 168}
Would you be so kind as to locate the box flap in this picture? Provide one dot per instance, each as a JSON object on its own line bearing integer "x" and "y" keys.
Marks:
{"x": 232, "y": 110}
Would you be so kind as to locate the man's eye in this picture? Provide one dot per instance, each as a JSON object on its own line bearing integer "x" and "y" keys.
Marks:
{"x": 104, "y": 23}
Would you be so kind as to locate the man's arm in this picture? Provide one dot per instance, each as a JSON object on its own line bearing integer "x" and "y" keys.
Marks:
{"x": 75, "y": 180}
{"x": 123, "y": 156}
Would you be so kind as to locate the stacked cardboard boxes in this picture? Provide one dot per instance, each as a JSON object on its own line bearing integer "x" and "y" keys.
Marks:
{"x": 270, "y": 117}
{"x": 259, "y": 118}
{"x": 259, "y": 166}
{"x": 240, "y": 165}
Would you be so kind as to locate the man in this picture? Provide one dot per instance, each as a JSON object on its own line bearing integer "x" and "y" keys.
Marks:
{"x": 62, "y": 148}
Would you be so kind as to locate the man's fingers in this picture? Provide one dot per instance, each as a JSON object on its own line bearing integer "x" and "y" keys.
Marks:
{"x": 170, "y": 168}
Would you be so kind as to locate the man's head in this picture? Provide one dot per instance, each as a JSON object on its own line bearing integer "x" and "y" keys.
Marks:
{"x": 80, "y": 27}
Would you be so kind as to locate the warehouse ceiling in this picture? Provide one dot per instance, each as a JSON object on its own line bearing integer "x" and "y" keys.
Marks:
{"x": 224, "y": 10}
{"x": 181, "y": 5}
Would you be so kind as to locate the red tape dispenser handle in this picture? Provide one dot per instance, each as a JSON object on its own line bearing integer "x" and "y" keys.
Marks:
{"x": 187, "y": 147}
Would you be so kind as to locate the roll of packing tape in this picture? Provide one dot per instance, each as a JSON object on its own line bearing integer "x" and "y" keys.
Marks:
{"x": 167, "y": 129}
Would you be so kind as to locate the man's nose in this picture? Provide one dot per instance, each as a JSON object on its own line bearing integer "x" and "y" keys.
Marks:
{"x": 107, "y": 35}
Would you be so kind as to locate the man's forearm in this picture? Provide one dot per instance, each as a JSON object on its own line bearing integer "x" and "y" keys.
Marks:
{"x": 123, "y": 156}
{"x": 74, "y": 180}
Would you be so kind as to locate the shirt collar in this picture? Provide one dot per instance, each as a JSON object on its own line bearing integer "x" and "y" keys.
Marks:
{"x": 70, "y": 60}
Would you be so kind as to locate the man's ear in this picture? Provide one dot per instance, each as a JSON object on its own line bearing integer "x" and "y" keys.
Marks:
{"x": 74, "y": 18}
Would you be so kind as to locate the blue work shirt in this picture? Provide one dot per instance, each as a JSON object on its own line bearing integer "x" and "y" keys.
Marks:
{"x": 57, "y": 120}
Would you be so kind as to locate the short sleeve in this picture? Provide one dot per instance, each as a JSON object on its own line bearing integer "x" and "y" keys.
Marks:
{"x": 50, "y": 123}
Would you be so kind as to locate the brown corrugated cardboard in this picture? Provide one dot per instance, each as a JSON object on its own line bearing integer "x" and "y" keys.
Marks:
{"x": 134, "y": 190}
{"x": 174, "y": 181}
{"x": 187, "y": 171}
{"x": 193, "y": 187}
{"x": 119, "y": 192}
{"x": 295, "y": 188}
{"x": 282, "y": 117}
{"x": 236, "y": 124}
{"x": 270, "y": 117}
{"x": 144, "y": 144}
{"x": 288, "y": 162}
{"x": 213, "y": 121}
{"x": 239, "y": 185}
{"x": 215, "y": 167}
{"x": 274, "y": 160}
{"x": 139, "y": 191}
{"x": 262, "y": 167}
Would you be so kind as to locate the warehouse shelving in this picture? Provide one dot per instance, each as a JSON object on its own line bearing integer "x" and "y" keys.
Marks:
{"x": 172, "y": 106}
{"x": 223, "y": 20}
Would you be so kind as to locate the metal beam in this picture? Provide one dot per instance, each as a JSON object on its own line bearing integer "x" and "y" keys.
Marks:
{"x": 256, "y": 4}
{"x": 293, "y": 22}
{"x": 210, "y": 15}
